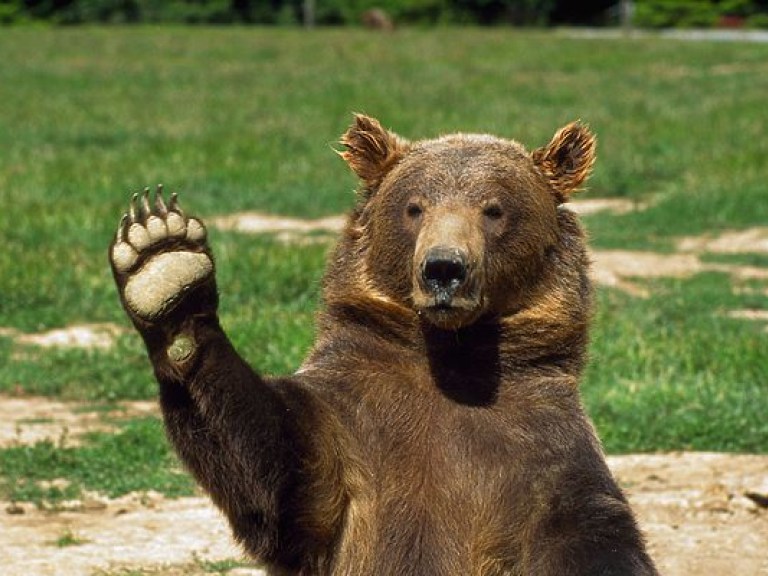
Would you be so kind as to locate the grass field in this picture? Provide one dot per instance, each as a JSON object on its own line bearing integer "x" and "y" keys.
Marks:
{"x": 245, "y": 118}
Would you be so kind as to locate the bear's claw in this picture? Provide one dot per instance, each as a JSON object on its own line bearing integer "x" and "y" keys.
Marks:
{"x": 158, "y": 255}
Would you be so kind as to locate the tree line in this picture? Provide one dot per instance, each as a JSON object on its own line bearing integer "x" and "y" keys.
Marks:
{"x": 648, "y": 13}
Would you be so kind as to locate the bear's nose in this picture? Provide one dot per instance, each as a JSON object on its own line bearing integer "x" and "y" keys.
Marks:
{"x": 444, "y": 271}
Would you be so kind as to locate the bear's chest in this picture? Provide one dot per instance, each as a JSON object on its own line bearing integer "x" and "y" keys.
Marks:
{"x": 444, "y": 477}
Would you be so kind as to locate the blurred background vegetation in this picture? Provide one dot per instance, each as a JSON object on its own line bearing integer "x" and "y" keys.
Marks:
{"x": 641, "y": 13}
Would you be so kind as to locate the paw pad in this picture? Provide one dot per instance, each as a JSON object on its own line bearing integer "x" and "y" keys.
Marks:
{"x": 158, "y": 255}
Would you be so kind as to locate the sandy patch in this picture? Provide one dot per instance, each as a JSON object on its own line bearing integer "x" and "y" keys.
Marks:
{"x": 25, "y": 420}
{"x": 612, "y": 205}
{"x": 135, "y": 531}
{"x": 702, "y": 513}
{"x": 283, "y": 228}
{"x": 100, "y": 336}
{"x": 750, "y": 316}
{"x": 625, "y": 263}
{"x": 751, "y": 240}
{"x": 617, "y": 268}
{"x": 757, "y": 315}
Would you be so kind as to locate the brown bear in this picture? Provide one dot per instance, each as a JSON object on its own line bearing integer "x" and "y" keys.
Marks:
{"x": 377, "y": 19}
{"x": 435, "y": 428}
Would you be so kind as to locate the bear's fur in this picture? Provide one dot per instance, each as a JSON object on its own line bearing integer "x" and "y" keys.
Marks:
{"x": 435, "y": 428}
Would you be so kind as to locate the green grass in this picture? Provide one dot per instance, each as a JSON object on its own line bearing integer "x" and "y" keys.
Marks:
{"x": 220, "y": 566}
{"x": 747, "y": 259}
{"x": 246, "y": 118}
{"x": 67, "y": 539}
{"x": 135, "y": 459}
{"x": 199, "y": 566}
{"x": 673, "y": 372}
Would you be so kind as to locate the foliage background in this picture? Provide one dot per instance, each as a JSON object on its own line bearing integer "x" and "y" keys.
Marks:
{"x": 647, "y": 13}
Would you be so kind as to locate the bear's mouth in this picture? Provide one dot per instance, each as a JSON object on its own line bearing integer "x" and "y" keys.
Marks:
{"x": 443, "y": 297}
{"x": 448, "y": 313}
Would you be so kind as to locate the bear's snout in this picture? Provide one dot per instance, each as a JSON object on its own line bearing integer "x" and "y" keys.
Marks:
{"x": 447, "y": 267}
{"x": 443, "y": 272}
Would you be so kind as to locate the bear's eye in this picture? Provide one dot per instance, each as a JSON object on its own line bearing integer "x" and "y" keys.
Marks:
{"x": 493, "y": 212}
{"x": 413, "y": 210}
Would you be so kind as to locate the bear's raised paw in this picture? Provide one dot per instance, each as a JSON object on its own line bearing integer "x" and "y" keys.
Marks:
{"x": 158, "y": 256}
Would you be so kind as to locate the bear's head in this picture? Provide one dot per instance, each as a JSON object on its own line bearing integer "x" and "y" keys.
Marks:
{"x": 459, "y": 227}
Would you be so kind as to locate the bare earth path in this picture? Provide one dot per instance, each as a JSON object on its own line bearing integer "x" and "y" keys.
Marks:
{"x": 703, "y": 513}
{"x": 692, "y": 507}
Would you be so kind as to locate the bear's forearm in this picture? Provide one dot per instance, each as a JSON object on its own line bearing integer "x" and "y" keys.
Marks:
{"x": 230, "y": 427}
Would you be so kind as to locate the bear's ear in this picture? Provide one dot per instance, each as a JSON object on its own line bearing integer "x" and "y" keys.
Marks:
{"x": 371, "y": 151}
{"x": 567, "y": 160}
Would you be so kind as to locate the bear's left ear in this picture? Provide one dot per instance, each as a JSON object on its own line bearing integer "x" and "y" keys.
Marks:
{"x": 371, "y": 151}
{"x": 567, "y": 160}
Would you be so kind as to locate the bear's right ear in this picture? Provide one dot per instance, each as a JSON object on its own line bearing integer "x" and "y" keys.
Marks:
{"x": 371, "y": 151}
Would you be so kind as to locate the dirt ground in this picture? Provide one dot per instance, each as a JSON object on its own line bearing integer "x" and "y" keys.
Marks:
{"x": 703, "y": 514}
